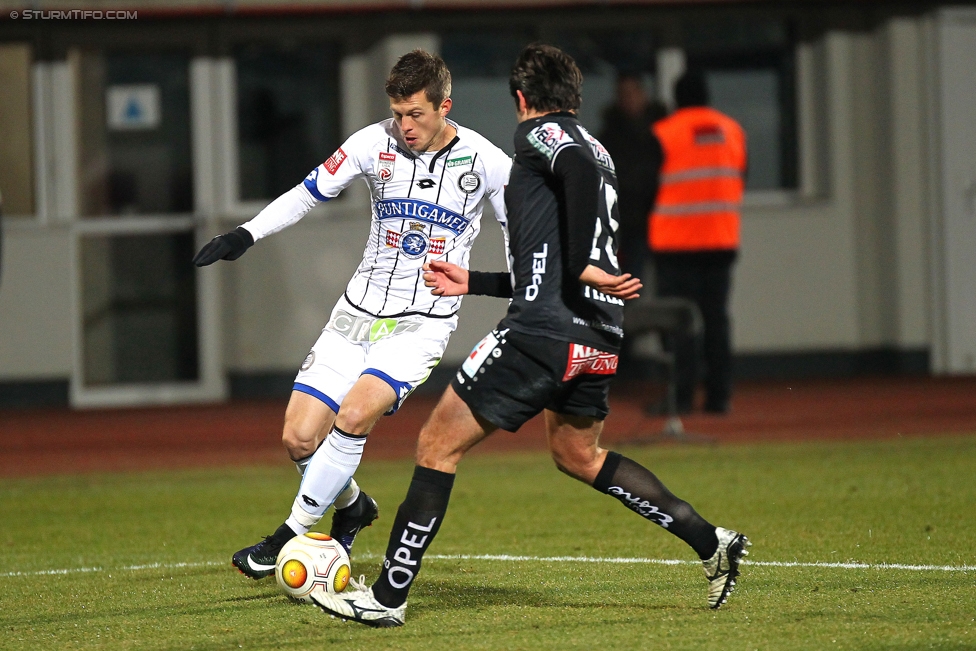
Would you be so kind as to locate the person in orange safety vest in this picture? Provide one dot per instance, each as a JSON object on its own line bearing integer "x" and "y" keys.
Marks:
{"x": 693, "y": 232}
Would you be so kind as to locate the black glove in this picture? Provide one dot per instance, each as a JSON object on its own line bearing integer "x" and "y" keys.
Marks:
{"x": 228, "y": 246}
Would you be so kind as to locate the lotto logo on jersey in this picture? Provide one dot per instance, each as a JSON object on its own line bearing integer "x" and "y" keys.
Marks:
{"x": 335, "y": 161}
{"x": 584, "y": 360}
{"x": 385, "y": 167}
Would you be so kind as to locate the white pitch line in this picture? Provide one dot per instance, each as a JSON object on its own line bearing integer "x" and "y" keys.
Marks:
{"x": 531, "y": 559}
{"x": 124, "y": 568}
{"x": 667, "y": 561}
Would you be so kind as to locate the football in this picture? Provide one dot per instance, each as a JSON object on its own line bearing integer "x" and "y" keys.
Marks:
{"x": 309, "y": 562}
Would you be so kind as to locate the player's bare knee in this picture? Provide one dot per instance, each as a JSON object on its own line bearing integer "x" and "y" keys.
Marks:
{"x": 562, "y": 468}
{"x": 428, "y": 451}
{"x": 567, "y": 464}
{"x": 355, "y": 418}
{"x": 579, "y": 463}
{"x": 296, "y": 444}
{"x": 437, "y": 453}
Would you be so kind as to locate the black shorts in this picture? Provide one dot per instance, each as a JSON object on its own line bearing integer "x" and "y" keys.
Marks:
{"x": 510, "y": 377}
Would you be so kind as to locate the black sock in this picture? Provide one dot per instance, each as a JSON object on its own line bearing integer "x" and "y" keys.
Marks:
{"x": 640, "y": 491}
{"x": 416, "y": 524}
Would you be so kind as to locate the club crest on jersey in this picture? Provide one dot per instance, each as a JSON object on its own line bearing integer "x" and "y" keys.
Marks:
{"x": 335, "y": 161}
{"x": 385, "y": 166}
{"x": 469, "y": 182}
{"x": 415, "y": 243}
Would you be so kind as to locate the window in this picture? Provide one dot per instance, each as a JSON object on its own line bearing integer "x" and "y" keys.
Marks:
{"x": 135, "y": 147}
{"x": 602, "y": 55}
{"x": 16, "y": 156}
{"x": 749, "y": 67}
{"x": 139, "y": 309}
{"x": 138, "y": 298}
{"x": 288, "y": 115}
{"x": 480, "y": 63}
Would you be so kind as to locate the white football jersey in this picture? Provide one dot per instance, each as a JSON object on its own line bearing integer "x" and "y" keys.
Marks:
{"x": 424, "y": 207}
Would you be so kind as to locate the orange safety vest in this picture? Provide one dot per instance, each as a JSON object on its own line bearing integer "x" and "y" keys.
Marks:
{"x": 702, "y": 182}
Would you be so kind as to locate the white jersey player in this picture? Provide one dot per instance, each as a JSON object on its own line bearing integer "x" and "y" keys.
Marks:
{"x": 425, "y": 205}
{"x": 430, "y": 180}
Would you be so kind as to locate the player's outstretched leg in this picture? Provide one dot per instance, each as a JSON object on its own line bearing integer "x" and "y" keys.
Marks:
{"x": 417, "y": 522}
{"x": 637, "y": 488}
{"x": 327, "y": 478}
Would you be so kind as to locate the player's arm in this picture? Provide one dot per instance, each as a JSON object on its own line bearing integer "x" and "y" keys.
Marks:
{"x": 448, "y": 279}
{"x": 280, "y": 213}
{"x": 581, "y": 183}
{"x": 324, "y": 183}
{"x": 498, "y": 169}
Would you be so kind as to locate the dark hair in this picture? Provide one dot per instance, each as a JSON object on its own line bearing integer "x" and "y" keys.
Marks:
{"x": 548, "y": 78}
{"x": 420, "y": 71}
{"x": 691, "y": 89}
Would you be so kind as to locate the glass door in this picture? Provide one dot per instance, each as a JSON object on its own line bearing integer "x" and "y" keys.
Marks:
{"x": 143, "y": 333}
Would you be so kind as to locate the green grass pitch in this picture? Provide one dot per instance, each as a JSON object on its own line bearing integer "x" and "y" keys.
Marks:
{"x": 146, "y": 556}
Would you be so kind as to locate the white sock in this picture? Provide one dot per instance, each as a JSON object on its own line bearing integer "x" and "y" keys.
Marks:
{"x": 328, "y": 474}
{"x": 348, "y": 497}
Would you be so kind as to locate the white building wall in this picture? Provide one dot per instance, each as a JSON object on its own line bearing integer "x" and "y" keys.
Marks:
{"x": 795, "y": 284}
{"x": 910, "y": 187}
{"x": 846, "y": 266}
{"x": 842, "y": 265}
{"x": 35, "y": 304}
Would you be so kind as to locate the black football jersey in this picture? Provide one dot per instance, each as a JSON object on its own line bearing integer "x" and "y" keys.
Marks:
{"x": 552, "y": 240}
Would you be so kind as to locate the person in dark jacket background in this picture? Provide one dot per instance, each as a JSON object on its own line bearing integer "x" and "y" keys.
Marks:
{"x": 637, "y": 156}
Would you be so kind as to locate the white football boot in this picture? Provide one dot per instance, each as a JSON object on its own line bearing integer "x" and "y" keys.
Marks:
{"x": 722, "y": 568}
{"x": 358, "y": 604}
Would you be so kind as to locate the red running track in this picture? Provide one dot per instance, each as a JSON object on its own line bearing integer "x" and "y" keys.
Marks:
{"x": 34, "y": 442}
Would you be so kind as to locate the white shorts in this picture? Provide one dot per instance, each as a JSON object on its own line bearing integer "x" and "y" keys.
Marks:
{"x": 402, "y": 352}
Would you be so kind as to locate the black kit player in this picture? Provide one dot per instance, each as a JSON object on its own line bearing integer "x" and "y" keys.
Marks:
{"x": 555, "y": 350}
